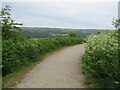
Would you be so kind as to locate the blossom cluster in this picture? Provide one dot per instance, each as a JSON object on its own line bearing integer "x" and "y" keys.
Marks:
{"x": 101, "y": 58}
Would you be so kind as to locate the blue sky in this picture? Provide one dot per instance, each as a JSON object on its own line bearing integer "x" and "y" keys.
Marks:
{"x": 65, "y": 14}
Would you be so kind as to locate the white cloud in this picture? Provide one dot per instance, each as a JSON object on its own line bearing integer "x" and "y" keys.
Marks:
{"x": 70, "y": 14}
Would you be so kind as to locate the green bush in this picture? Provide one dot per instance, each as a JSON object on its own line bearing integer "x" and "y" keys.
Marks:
{"x": 101, "y": 59}
{"x": 22, "y": 51}
{"x": 72, "y": 34}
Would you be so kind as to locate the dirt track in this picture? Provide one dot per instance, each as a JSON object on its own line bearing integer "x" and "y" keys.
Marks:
{"x": 59, "y": 70}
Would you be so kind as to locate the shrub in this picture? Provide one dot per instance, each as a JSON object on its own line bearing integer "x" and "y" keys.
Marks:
{"x": 22, "y": 51}
{"x": 101, "y": 59}
{"x": 72, "y": 34}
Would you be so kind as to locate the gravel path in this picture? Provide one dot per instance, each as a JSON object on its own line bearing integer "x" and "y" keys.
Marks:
{"x": 59, "y": 70}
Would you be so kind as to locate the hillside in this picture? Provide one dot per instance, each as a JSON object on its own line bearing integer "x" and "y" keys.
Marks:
{"x": 38, "y": 32}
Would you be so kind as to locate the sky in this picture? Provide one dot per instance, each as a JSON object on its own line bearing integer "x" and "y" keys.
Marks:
{"x": 65, "y": 14}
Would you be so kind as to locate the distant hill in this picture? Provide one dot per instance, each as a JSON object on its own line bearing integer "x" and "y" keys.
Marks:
{"x": 38, "y": 32}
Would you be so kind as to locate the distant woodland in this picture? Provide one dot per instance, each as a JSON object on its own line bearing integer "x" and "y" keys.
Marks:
{"x": 37, "y": 32}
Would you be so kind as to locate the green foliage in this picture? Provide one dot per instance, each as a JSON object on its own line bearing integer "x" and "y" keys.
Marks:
{"x": 99, "y": 32}
{"x": 116, "y": 23}
{"x": 71, "y": 34}
{"x": 19, "y": 50}
{"x": 101, "y": 60}
{"x": 8, "y": 25}
{"x": 38, "y": 32}
{"x": 23, "y": 51}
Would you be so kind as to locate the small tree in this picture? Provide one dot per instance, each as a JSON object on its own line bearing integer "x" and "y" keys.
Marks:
{"x": 99, "y": 33}
{"x": 8, "y": 25}
{"x": 116, "y": 23}
{"x": 71, "y": 34}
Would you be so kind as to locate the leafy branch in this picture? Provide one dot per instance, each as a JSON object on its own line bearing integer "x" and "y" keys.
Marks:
{"x": 116, "y": 23}
{"x": 7, "y": 23}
